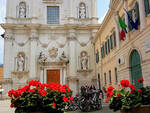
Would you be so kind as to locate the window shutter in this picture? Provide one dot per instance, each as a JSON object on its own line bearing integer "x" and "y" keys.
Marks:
{"x": 102, "y": 55}
{"x": 106, "y": 50}
{"x": 146, "y": 4}
{"x": 137, "y": 12}
{"x": 97, "y": 57}
{"x": 108, "y": 44}
{"x": 111, "y": 42}
{"x": 129, "y": 25}
{"x": 114, "y": 38}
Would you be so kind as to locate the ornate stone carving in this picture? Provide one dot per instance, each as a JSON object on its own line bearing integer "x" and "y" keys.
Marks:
{"x": 7, "y": 81}
{"x": 42, "y": 57}
{"x": 53, "y": 52}
{"x": 63, "y": 57}
{"x": 22, "y": 10}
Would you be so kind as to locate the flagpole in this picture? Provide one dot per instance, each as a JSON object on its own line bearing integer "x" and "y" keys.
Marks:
{"x": 126, "y": 20}
{"x": 117, "y": 30}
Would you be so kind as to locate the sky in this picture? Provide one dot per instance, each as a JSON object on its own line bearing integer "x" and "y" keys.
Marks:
{"x": 103, "y": 6}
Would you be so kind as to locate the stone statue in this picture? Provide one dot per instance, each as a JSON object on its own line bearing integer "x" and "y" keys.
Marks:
{"x": 82, "y": 11}
{"x": 84, "y": 61}
{"x": 42, "y": 57}
{"x": 20, "y": 63}
{"x": 63, "y": 57}
{"x": 22, "y": 10}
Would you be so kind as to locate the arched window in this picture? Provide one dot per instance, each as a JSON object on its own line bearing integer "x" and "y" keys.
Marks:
{"x": 82, "y": 10}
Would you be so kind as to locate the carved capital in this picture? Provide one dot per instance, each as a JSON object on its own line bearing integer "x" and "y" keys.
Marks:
{"x": 7, "y": 81}
{"x": 8, "y": 35}
{"x": 33, "y": 34}
{"x": 71, "y": 35}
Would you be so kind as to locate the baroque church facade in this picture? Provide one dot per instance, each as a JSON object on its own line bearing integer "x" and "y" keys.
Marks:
{"x": 49, "y": 41}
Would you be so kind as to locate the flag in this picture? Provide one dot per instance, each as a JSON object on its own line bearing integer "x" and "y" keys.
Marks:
{"x": 123, "y": 26}
{"x": 133, "y": 24}
{"x": 122, "y": 35}
{"x": 122, "y": 23}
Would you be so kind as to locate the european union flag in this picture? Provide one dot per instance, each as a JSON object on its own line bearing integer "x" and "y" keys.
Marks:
{"x": 133, "y": 24}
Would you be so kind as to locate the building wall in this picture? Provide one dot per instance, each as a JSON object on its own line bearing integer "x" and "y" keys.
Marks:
{"x": 1, "y": 73}
{"x": 32, "y": 35}
{"x": 135, "y": 39}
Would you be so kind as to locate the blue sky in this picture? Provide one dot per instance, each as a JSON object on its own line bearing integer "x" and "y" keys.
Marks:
{"x": 103, "y": 6}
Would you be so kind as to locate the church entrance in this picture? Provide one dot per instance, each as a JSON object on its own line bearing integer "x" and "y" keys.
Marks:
{"x": 53, "y": 76}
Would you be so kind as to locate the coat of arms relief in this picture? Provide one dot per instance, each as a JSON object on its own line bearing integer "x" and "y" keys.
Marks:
{"x": 53, "y": 52}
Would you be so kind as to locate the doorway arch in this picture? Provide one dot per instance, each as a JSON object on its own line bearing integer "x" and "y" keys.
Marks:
{"x": 135, "y": 68}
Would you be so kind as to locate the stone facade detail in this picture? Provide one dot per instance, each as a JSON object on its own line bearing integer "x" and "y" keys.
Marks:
{"x": 45, "y": 47}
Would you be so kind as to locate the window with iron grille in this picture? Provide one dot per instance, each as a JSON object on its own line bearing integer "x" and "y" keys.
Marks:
{"x": 52, "y": 15}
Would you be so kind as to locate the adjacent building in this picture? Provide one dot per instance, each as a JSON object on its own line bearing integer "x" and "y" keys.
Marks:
{"x": 118, "y": 59}
{"x": 1, "y": 74}
{"x": 49, "y": 41}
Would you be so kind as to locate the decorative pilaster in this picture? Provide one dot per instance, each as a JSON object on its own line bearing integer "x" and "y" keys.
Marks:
{"x": 7, "y": 66}
{"x": 126, "y": 19}
{"x": 72, "y": 59}
{"x": 142, "y": 14}
{"x": 33, "y": 47}
{"x": 72, "y": 51}
{"x": 117, "y": 30}
{"x": 7, "y": 53}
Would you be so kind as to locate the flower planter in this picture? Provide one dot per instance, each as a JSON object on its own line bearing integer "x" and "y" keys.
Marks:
{"x": 142, "y": 109}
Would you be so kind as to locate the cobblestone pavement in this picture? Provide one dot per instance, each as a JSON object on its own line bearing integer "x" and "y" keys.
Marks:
{"x": 5, "y": 108}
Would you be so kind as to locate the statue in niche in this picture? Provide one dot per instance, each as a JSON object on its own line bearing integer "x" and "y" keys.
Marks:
{"x": 82, "y": 11}
{"x": 20, "y": 62}
{"x": 22, "y": 10}
{"x": 84, "y": 61}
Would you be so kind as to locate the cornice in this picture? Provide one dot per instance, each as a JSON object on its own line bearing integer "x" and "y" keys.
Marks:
{"x": 111, "y": 12}
{"x": 49, "y": 27}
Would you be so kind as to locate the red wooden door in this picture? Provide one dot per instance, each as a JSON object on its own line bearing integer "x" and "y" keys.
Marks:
{"x": 53, "y": 76}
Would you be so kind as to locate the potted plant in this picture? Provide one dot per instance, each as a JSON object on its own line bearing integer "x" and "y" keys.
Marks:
{"x": 40, "y": 98}
{"x": 129, "y": 99}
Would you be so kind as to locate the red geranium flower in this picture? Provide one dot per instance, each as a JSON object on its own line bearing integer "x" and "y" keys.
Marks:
{"x": 124, "y": 83}
{"x": 139, "y": 90}
{"x": 110, "y": 89}
{"x": 119, "y": 95}
{"x": 131, "y": 86}
{"x": 54, "y": 104}
{"x": 140, "y": 80}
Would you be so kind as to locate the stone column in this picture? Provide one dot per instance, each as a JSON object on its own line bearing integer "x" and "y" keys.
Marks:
{"x": 72, "y": 59}
{"x": 33, "y": 48}
{"x": 126, "y": 19}
{"x": 7, "y": 66}
{"x": 64, "y": 75}
{"x": 142, "y": 14}
{"x": 72, "y": 53}
{"x": 94, "y": 11}
{"x": 94, "y": 8}
{"x": 117, "y": 30}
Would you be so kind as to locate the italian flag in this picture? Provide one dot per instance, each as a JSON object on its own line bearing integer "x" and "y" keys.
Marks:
{"x": 123, "y": 27}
